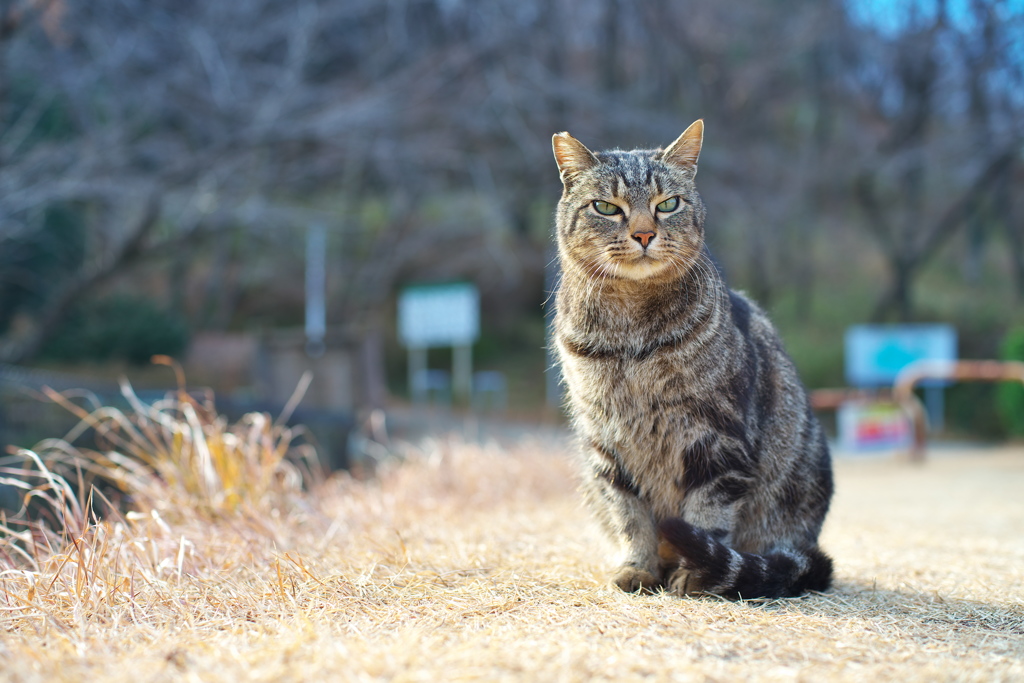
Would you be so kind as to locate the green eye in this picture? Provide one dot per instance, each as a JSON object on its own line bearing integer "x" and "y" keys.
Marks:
{"x": 605, "y": 208}
{"x": 669, "y": 205}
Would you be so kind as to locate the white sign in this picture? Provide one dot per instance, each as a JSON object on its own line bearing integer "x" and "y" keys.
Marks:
{"x": 439, "y": 315}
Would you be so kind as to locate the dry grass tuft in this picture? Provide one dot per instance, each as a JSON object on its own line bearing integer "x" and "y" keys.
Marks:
{"x": 463, "y": 562}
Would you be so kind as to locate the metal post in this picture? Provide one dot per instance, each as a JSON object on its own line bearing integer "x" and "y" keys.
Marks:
{"x": 934, "y": 402}
{"x": 316, "y": 289}
{"x": 462, "y": 371}
{"x": 417, "y": 373}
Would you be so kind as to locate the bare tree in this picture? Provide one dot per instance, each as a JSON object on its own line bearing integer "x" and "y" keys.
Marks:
{"x": 934, "y": 162}
{"x": 219, "y": 130}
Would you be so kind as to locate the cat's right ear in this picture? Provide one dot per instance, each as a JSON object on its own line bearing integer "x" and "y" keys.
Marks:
{"x": 685, "y": 150}
{"x": 572, "y": 156}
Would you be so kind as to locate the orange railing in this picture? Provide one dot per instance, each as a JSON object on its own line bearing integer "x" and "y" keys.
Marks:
{"x": 918, "y": 371}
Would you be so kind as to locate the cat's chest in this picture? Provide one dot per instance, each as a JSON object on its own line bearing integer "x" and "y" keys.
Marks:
{"x": 624, "y": 399}
{"x": 634, "y": 409}
{"x": 622, "y": 379}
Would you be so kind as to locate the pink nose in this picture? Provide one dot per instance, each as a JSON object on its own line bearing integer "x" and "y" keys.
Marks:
{"x": 644, "y": 238}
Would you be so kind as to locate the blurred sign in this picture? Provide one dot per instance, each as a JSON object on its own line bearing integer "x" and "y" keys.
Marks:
{"x": 876, "y": 353}
{"x": 868, "y": 426}
{"x": 439, "y": 315}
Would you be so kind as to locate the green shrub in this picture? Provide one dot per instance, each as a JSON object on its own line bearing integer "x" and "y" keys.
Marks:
{"x": 969, "y": 412}
{"x": 1010, "y": 395}
{"x": 37, "y": 261}
{"x": 120, "y": 327}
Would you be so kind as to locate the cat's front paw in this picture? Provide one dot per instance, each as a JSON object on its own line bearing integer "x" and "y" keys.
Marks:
{"x": 633, "y": 579}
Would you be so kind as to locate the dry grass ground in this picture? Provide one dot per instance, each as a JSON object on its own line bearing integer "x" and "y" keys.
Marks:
{"x": 469, "y": 563}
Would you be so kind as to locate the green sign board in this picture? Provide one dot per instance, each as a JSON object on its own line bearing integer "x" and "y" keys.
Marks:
{"x": 439, "y": 315}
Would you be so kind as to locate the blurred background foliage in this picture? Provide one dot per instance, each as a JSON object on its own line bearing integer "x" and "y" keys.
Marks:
{"x": 120, "y": 327}
{"x": 1011, "y": 395}
{"x": 161, "y": 160}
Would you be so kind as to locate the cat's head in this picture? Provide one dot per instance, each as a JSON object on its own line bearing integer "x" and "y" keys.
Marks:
{"x": 633, "y": 215}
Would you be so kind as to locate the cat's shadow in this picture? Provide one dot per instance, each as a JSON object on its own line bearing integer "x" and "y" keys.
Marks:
{"x": 853, "y": 599}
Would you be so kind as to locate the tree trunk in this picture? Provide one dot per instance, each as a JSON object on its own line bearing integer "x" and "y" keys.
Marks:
{"x": 375, "y": 386}
{"x": 1006, "y": 211}
{"x": 608, "y": 49}
{"x": 898, "y": 299}
{"x": 903, "y": 292}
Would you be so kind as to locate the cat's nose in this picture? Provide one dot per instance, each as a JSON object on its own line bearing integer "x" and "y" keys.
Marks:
{"x": 644, "y": 238}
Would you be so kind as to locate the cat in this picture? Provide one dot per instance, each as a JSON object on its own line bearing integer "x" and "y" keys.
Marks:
{"x": 702, "y": 457}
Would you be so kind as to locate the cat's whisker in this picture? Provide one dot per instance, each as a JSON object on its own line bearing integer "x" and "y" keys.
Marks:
{"x": 557, "y": 283}
{"x": 710, "y": 274}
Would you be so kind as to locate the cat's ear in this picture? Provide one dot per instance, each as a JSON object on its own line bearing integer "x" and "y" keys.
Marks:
{"x": 572, "y": 157}
{"x": 686, "y": 149}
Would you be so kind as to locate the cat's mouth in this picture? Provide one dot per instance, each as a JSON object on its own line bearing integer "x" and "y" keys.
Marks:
{"x": 639, "y": 266}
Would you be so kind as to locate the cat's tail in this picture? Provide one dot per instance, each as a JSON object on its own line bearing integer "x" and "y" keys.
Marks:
{"x": 703, "y": 564}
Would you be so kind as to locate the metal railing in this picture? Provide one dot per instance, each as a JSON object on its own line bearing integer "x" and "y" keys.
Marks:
{"x": 958, "y": 371}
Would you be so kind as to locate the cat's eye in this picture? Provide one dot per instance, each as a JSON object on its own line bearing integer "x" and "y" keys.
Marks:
{"x": 606, "y": 208}
{"x": 669, "y": 205}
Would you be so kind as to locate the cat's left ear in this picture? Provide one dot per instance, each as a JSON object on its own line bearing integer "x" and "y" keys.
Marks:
{"x": 686, "y": 149}
{"x": 572, "y": 157}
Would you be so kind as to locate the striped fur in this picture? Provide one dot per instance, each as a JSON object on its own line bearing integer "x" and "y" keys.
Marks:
{"x": 702, "y": 456}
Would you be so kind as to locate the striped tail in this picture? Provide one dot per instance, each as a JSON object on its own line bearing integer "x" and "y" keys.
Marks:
{"x": 706, "y": 565}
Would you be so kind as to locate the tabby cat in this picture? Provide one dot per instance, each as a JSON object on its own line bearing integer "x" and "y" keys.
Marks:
{"x": 702, "y": 456}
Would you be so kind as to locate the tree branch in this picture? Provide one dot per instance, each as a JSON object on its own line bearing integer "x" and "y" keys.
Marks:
{"x": 960, "y": 210}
